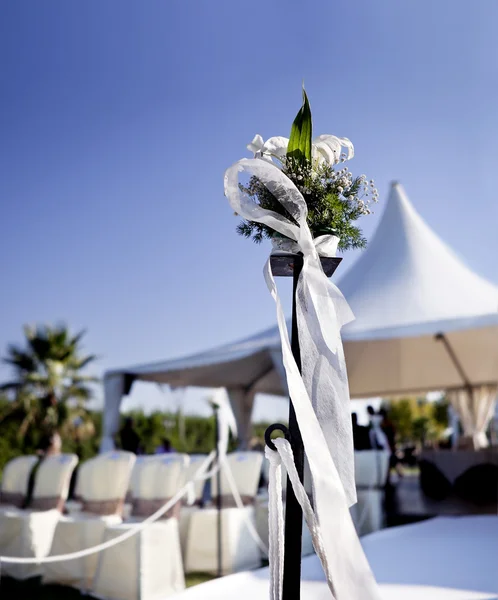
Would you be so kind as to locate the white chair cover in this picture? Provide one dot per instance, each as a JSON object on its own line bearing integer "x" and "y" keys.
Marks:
{"x": 83, "y": 477}
{"x": 148, "y": 565}
{"x": 157, "y": 481}
{"x": 246, "y": 471}
{"x": 371, "y": 469}
{"x": 103, "y": 488}
{"x": 196, "y": 461}
{"x": 239, "y": 549}
{"x": 240, "y": 552}
{"x": 29, "y": 533}
{"x": 140, "y": 463}
{"x": 15, "y": 480}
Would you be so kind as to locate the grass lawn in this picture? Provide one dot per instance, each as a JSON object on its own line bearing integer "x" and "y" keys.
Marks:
{"x": 10, "y": 589}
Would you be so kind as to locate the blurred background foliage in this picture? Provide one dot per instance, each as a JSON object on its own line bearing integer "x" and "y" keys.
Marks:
{"x": 187, "y": 433}
{"x": 418, "y": 421}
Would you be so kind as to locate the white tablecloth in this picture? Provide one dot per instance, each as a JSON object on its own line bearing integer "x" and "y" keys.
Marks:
{"x": 442, "y": 559}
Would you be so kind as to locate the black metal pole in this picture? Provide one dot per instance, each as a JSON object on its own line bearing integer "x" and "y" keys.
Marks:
{"x": 291, "y": 589}
{"x": 286, "y": 266}
{"x": 218, "y": 496}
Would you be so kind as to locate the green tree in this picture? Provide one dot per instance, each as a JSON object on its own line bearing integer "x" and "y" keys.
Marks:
{"x": 417, "y": 420}
{"x": 48, "y": 385}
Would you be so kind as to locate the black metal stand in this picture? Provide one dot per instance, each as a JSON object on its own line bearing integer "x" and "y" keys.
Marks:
{"x": 291, "y": 266}
{"x": 218, "y": 496}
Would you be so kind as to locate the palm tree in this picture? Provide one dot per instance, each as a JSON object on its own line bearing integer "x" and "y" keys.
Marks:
{"x": 48, "y": 380}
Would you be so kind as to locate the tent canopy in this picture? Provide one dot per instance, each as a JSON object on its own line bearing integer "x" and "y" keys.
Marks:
{"x": 405, "y": 289}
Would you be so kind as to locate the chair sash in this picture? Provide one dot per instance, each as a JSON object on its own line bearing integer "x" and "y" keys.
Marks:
{"x": 145, "y": 507}
{"x": 228, "y": 501}
{"x": 103, "y": 507}
{"x": 47, "y": 503}
{"x": 12, "y": 499}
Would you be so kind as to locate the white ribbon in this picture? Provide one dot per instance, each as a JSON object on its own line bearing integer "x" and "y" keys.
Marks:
{"x": 326, "y": 430}
{"x": 275, "y": 524}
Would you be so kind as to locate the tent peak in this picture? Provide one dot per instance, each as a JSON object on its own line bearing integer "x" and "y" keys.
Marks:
{"x": 409, "y": 276}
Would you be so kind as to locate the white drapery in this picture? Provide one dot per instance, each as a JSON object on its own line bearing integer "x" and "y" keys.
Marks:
{"x": 475, "y": 408}
{"x": 114, "y": 389}
{"x": 242, "y": 403}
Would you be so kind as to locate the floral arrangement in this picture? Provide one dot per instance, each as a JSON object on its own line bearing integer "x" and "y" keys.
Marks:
{"x": 334, "y": 197}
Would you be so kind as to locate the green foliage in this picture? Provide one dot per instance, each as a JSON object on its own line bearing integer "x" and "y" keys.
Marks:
{"x": 299, "y": 148}
{"x": 12, "y": 444}
{"x": 417, "y": 420}
{"x": 329, "y": 210}
{"x": 335, "y": 199}
{"x": 47, "y": 378}
{"x": 191, "y": 434}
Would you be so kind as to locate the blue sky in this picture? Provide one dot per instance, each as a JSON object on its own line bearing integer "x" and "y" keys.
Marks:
{"x": 118, "y": 119}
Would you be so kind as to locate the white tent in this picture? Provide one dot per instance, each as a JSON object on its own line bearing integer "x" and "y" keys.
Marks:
{"x": 424, "y": 321}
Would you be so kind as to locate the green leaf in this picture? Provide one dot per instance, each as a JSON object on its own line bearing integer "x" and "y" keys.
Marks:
{"x": 299, "y": 147}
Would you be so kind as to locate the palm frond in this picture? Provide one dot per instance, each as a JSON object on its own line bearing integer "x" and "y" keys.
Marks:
{"x": 83, "y": 362}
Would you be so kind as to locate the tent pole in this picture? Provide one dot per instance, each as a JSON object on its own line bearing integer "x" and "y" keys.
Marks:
{"x": 440, "y": 337}
{"x": 218, "y": 494}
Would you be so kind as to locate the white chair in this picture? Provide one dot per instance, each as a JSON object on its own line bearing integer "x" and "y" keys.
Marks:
{"x": 133, "y": 484}
{"x": 83, "y": 474}
{"x": 15, "y": 481}
{"x": 156, "y": 482}
{"x": 196, "y": 461}
{"x": 239, "y": 549}
{"x": 29, "y": 533}
{"x": 148, "y": 565}
{"x": 371, "y": 469}
{"x": 105, "y": 480}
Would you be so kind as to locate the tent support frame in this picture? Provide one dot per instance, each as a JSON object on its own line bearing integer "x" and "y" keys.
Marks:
{"x": 440, "y": 337}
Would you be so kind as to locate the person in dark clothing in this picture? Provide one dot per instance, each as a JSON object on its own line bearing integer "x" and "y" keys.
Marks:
{"x": 388, "y": 429}
{"x": 165, "y": 447}
{"x": 50, "y": 445}
{"x": 361, "y": 437}
{"x": 390, "y": 432}
{"x": 129, "y": 438}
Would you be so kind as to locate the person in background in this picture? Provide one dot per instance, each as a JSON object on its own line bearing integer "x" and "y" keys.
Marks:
{"x": 361, "y": 438}
{"x": 129, "y": 438}
{"x": 165, "y": 447}
{"x": 378, "y": 439}
{"x": 390, "y": 432}
{"x": 50, "y": 445}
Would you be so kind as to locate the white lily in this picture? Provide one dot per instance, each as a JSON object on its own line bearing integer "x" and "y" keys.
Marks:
{"x": 325, "y": 148}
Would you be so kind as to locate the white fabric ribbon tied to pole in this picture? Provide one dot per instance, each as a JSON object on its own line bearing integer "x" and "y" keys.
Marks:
{"x": 320, "y": 395}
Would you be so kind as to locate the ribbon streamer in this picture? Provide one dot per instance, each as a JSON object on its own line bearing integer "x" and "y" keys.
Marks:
{"x": 321, "y": 395}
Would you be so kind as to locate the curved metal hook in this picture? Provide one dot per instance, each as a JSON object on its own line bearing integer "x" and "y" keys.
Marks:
{"x": 271, "y": 429}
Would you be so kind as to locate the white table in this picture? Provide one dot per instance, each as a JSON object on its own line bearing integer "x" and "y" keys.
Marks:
{"x": 445, "y": 558}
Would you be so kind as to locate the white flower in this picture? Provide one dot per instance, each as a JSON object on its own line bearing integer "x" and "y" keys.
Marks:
{"x": 325, "y": 149}
{"x": 273, "y": 147}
